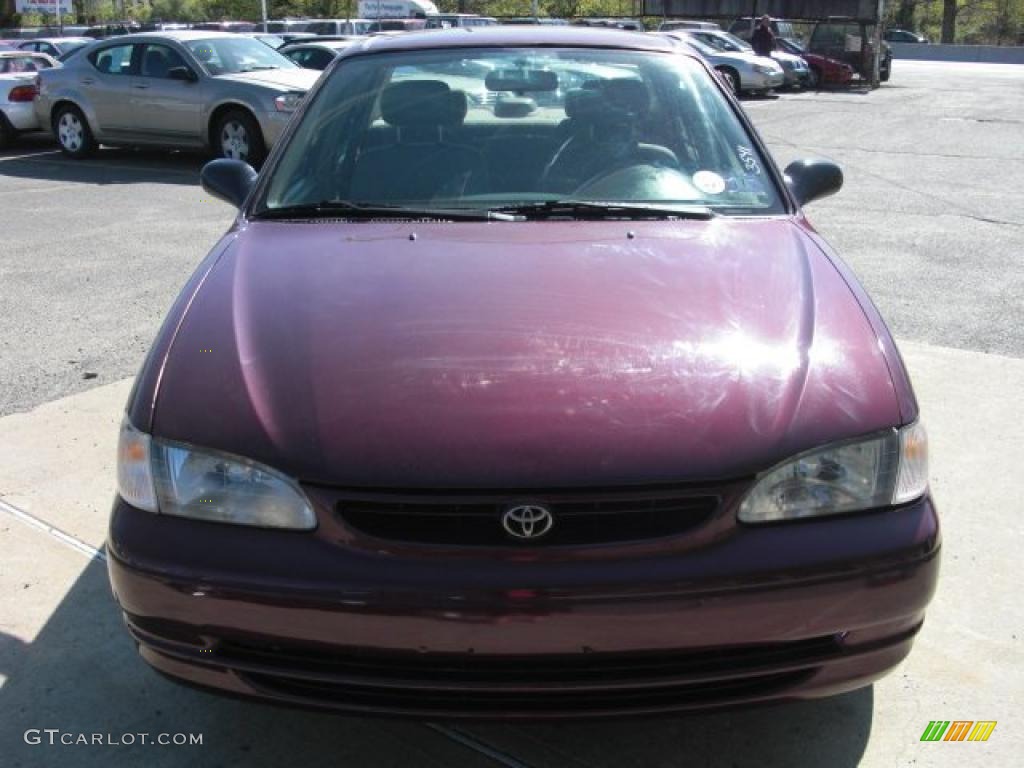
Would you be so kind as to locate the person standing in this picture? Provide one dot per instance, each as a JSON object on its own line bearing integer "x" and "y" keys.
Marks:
{"x": 763, "y": 39}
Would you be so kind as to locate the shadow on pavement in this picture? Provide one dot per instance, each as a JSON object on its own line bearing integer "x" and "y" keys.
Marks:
{"x": 81, "y": 674}
{"x": 39, "y": 158}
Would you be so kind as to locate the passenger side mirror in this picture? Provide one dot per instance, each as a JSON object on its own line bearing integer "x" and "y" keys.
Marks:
{"x": 228, "y": 180}
{"x": 810, "y": 180}
{"x": 182, "y": 73}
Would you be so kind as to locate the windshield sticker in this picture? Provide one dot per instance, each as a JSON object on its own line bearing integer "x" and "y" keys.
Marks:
{"x": 709, "y": 182}
{"x": 749, "y": 159}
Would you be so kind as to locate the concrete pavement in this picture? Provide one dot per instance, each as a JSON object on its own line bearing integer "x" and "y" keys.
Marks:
{"x": 68, "y": 663}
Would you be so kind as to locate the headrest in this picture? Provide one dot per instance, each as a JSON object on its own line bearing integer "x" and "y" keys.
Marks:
{"x": 422, "y": 102}
{"x": 607, "y": 101}
{"x": 628, "y": 97}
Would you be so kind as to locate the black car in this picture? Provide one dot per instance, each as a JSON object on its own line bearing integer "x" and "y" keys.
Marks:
{"x": 904, "y": 36}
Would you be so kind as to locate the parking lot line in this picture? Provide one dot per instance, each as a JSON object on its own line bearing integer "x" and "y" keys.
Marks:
{"x": 30, "y": 155}
{"x": 477, "y": 746}
{"x": 57, "y": 533}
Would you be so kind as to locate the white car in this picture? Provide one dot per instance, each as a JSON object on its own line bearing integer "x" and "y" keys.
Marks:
{"x": 18, "y": 91}
{"x": 793, "y": 67}
{"x": 742, "y": 71}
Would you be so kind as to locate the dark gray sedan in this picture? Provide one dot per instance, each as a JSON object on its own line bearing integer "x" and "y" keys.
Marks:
{"x": 225, "y": 92}
{"x": 317, "y": 54}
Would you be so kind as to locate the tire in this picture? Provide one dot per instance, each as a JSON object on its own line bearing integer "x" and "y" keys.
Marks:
{"x": 73, "y": 133}
{"x": 732, "y": 80}
{"x": 238, "y": 137}
{"x": 885, "y": 74}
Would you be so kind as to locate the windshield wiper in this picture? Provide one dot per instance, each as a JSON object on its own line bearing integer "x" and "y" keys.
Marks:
{"x": 344, "y": 209}
{"x": 258, "y": 68}
{"x": 586, "y": 209}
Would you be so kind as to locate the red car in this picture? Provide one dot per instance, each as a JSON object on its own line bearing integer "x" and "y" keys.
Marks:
{"x": 521, "y": 387}
{"x": 823, "y": 69}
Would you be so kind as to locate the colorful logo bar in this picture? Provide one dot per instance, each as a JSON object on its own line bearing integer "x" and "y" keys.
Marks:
{"x": 958, "y": 730}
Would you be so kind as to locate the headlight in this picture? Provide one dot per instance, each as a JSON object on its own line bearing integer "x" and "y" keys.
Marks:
{"x": 879, "y": 471}
{"x": 288, "y": 102}
{"x": 177, "y": 479}
{"x": 765, "y": 70}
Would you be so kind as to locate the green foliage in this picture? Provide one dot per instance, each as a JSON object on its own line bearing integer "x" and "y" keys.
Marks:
{"x": 973, "y": 22}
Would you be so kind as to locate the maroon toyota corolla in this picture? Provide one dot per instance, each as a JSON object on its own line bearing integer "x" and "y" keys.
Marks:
{"x": 522, "y": 388}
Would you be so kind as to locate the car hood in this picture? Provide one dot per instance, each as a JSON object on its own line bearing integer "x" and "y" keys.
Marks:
{"x": 781, "y": 56}
{"x": 522, "y": 355}
{"x": 285, "y": 79}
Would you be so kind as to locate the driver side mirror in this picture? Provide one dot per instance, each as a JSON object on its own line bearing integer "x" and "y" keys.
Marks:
{"x": 182, "y": 73}
{"x": 811, "y": 180}
{"x": 228, "y": 180}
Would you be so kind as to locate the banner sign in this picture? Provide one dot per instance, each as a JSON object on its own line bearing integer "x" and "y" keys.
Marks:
{"x": 48, "y": 7}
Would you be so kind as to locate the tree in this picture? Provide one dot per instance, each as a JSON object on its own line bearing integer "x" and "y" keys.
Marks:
{"x": 949, "y": 12}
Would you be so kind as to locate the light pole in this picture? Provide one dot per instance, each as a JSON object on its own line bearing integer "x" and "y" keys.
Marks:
{"x": 263, "y": 7}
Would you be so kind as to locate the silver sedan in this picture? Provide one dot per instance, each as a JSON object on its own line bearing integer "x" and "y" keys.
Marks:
{"x": 742, "y": 71}
{"x": 219, "y": 91}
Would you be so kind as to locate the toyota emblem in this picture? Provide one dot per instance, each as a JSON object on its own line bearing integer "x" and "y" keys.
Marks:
{"x": 527, "y": 521}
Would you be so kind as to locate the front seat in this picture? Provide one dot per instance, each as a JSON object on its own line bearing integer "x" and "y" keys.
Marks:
{"x": 424, "y": 162}
{"x": 155, "y": 64}
{"x": 604, "y": 118}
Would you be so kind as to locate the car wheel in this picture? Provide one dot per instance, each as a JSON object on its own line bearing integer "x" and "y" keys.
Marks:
{"x": 239, "y": 138}
{"x": 73, "y": 132}
{"x": 883, "y": 74}
{"x": 731, "y": 79}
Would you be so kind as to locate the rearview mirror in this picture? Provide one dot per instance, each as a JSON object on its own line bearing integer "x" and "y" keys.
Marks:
{"x": 228, "y": 180}
{"x": 521, "y": 80}
{"x": 182, "y": 73}
{"x": 810, "y": 179}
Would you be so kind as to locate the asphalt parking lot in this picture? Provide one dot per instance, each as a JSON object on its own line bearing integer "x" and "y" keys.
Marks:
{"x": 932, "y": 220}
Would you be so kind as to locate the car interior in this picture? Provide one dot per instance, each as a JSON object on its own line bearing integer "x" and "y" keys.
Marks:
{"x": 419, "y": 144}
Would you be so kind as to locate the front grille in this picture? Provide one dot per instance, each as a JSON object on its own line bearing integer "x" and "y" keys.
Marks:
{"x": 475, "y": 519}
{"x": 535, "y": 672}
{"x": 583, "y": 683}
{"x": 529, "y": 705}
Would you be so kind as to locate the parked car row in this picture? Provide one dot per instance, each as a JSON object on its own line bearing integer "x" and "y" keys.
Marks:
{"x": 835, "y": 50}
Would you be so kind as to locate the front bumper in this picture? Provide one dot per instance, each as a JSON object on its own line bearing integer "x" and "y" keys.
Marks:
{"x": 272, "y": 125}
{"x": 769, "y": 612}
{"x": 797, "y": 77}
{"x": 759, "y": 81}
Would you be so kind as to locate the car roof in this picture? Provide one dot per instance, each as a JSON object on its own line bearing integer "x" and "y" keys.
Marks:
{"x": 182, "y": 35}
{"x": 60, "y": 40}
{"x": 525, "y": 36}
{"x": 333, "y": 45}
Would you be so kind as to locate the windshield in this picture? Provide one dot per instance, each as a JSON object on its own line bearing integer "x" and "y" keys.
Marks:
{"x": 488, "y": 129}
{"x": 698, "y": 45}
{"x": 229, "y": 55}
{"x": 722, "y": 41}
